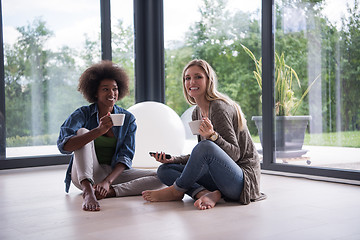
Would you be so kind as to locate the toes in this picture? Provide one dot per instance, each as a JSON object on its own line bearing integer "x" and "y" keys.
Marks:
{"x": 146, "y": 195}
{"x": 91, "y": 207}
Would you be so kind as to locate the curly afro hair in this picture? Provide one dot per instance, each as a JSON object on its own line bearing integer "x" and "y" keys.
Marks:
{"x": 90, "y": 80}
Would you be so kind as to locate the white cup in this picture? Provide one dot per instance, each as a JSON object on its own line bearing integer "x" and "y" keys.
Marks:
{"x": 117, "y": 119}
{"x": 194, "y": 126}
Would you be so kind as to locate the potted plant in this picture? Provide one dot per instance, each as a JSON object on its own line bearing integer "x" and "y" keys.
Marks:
{"x": 290, "y": 130}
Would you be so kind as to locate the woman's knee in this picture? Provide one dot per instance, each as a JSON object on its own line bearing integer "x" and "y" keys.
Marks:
{"x": 162, "y": 170}
{"x": 167, "y": 173}
{"x": 205, "y": 146}
{"x": 82, "y": 131}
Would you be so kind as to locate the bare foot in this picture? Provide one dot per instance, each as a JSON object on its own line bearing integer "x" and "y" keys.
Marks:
{"x": 202, "y": 193}
{"x": 110, "y": 193}
{"x": 90, "y": 203}
{"x": 208, "y": 200}
{"x": 163, "y": 195}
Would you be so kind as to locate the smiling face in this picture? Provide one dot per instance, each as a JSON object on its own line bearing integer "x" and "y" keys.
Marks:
{"x": 107, "y": 93}
{"x": 195, "y": 82}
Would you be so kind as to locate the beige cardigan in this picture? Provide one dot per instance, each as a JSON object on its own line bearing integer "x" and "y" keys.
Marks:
{"x": 237, "y": 144}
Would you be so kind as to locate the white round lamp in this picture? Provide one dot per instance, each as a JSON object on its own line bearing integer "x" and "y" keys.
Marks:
{"x": 159, "y": 128}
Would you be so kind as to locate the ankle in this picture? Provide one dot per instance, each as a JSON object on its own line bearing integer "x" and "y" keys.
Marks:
{"x": 175, "y": 191}
{"x": 201, "y": 193}
{"x": 111, "y": 192}
{"x": 217, "y": 194}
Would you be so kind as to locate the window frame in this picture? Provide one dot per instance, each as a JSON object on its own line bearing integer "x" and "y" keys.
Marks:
{"x": 268, "y": 48}
{"x": 149, "y": 72}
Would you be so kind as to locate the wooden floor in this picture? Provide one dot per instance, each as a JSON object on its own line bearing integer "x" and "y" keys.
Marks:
{"x": 33, "y": 205}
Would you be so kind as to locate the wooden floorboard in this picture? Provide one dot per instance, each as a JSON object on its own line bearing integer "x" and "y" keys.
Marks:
{"x": 33, "y": 205}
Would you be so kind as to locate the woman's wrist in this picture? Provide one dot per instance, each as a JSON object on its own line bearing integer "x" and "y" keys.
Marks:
{"x": 214, "y": 136}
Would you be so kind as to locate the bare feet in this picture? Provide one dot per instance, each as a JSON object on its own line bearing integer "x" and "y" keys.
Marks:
{"x": 110, "y": 193}
{"x": 202, "y": 193}
{"x": 163, "y": 195}
{"x": 90, "y": 203}
{"x": 208, "y": 200}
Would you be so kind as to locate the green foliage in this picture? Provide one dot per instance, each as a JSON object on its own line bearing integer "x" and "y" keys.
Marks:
{"x": 17, "y": 141}
{"x": 350, "y": 78}
{"x": 175, "y": 60}
{"x": 286, "y": 103}
{"x": 123, "y": 55}
{"x": 216, "y": 38}
{"x": 27, "y": 81}
{"x": 90, "y": 53}
{"x": 41, "y": 84}
{"x": 336, "y": 139}
{"x": 331, "y": 139}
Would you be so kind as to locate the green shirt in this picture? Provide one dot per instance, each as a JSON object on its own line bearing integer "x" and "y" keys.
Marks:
{"x": 105, "y": 149}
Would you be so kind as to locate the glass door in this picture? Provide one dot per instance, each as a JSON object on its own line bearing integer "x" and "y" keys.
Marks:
{"x": 46, "y": 47}
{"x": 317, "y": 81}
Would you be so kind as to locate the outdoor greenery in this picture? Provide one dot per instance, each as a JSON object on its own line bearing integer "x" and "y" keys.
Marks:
{"x": 339, "y": 139}
{"x": 18, "y": 141}
{"x": 333, "y": 139}
{"x": 41, "y": 83}
{"x": 286, "y": 102}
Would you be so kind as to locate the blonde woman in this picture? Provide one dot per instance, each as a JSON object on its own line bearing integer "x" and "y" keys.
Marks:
{"x": 224, "y": 163}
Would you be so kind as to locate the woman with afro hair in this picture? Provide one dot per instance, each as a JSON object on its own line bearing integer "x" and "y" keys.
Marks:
{"x": 102, "y": 154}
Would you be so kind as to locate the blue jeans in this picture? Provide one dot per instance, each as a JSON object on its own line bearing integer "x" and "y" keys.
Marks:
{"x": 208, "y": 167}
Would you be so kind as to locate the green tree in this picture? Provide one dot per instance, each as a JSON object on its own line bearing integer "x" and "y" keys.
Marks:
{"x": 26, "y": 81}
{"x": 350, "y": 77}
{"x": 63, "y": 97}
{"x": 40, "y": 84}
{"x": 123, "y": 54}
{"x": 175, "y": 60}
{"x": 217, "y": 38}
{"x": 90, "y": 54}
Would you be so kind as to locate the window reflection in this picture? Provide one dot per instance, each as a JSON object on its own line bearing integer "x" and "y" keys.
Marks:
{"x": 43, "y": 59}
{"x": 214, "y": 31}
{"x": 123, "y": 43}
{"x": 319, "y": 43}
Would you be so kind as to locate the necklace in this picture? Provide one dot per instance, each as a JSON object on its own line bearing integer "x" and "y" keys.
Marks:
{"x": 204, "y": 114}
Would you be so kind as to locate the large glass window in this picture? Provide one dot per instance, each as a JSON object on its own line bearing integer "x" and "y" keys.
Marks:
{"x": 47, "y": 45}
{"x": 122, "y": 37}
{"x": 216, "y": 31}
{"x": 317, "y": 56}
{"x": 179, "y": 19}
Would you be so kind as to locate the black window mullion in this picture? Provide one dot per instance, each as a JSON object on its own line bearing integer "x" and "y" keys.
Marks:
{"x": 2, "y": 93}
{"x": 149, "y": 51}
{"x": 105, "y": 14}
{"x": 267, "y": 51}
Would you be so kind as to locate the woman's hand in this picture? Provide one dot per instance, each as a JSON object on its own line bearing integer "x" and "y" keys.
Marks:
{"x": 105, "y": 123}
{"x": 78, "y": 141}
{"x": 102, "y": 188}
{"x": 206, "y": 128}
{"x": 160, "y": 157}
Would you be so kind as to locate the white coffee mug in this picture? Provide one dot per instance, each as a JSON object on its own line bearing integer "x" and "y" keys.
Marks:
{"x": 194, "y": 126}
{"x": 117, "y": 119}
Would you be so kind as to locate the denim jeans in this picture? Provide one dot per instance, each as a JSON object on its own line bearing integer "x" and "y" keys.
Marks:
{"x": 208, "y": 167}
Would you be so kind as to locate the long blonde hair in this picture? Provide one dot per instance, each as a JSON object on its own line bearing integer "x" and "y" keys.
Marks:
{"x": 211, "y": 91}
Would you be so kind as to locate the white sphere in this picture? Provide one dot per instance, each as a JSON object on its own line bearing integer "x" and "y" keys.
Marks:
{"x": 186, "y": 117}
{"x": 159, "y": 128}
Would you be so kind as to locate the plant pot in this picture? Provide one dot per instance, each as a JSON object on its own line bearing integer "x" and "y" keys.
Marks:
{"x": 289, "y": 135}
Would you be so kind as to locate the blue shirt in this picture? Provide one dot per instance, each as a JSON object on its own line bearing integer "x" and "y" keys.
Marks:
{"x": 88, "y": 117}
